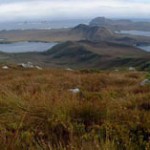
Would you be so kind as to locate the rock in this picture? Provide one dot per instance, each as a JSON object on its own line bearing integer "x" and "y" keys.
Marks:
{"x": 132, "y": 69}
{"x": 100, "y": 21}
{"x": 116, "y": 70}
{"x": 39, "y": 68}
{"x": 27, "y": 65}
{"x": 5, "y": 67}
{"x": 75, "y": 90}
{"x": 145, "y": 82}
{"x": 69, "y": 69}
{"x": 22, "y": 65}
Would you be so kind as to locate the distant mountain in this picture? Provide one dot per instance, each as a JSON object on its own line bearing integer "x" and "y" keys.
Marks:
{"x": 101, "y": 33}
{"x": 120, "y": 24}
{"x": 94, "y": 33}
{"x": 102, "y": 21}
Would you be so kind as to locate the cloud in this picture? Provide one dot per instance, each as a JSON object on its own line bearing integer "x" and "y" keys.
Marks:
{"x": 56, "y": 9}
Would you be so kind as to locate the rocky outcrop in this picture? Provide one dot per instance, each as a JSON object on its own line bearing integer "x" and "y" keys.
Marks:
{"x": 100, "y": 21}
{"x": 94, "y": 33}
{"x": 103, "y": 22}
{"x": 120, "y": 24}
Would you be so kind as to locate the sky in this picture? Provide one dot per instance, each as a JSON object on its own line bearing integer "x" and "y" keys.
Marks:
{"x": 72, "y": 9}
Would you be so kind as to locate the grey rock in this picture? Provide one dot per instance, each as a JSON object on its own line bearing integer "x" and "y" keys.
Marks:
{"x": 145, "y": 82}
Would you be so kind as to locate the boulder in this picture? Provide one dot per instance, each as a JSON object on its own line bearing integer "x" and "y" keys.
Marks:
{"x": 38, "y": 67}
{"x": 145, "y": 82}
{"x": 5, "y": 67}
{"x": 69, "y": 69}
{"x": 132, "y": 69}
{"x": 75, "y": 90}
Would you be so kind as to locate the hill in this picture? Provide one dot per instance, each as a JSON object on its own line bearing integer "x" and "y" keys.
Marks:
{"x": 80, "y": 32}
{"x": 94, "y": 33}
{"x": 85, "y": 53}
{"x": 38, "y": 110}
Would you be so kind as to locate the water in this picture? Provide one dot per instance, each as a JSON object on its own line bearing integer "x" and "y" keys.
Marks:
{"x": 41, "y": 24}
{"x": 139, "y": 33}
{"x": 145, "y": 48}
{"x": 34, "y": 46}
{"x": 26, "y": 47}
{"x": 135, "y": 32}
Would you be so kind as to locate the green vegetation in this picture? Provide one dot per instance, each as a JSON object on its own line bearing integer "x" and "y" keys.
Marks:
{"x": 37, "y": 110}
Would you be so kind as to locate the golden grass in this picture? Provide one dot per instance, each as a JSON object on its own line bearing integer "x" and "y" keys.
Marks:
{"x": 37, "y": 111}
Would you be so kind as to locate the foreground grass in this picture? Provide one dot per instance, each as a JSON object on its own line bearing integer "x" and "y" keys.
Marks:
{"x": 37, "y": 111}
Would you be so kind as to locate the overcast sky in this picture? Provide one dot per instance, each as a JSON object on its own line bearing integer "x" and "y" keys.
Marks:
{"x": 66, "y": 9}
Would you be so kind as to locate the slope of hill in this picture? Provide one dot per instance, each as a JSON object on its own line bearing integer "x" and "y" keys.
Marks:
{"x": 77, "y": 33}
{"x": 94, "y": 33}
{"x": 80, "y": 32}
{"x": 39, "y": 111}
{"x": 100, "y": 48}
{"x": 43, "y": 35}
{"x": 85, "y": 53}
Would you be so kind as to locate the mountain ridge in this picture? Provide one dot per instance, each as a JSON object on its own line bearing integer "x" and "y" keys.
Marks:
{"x": 120, "y": 24}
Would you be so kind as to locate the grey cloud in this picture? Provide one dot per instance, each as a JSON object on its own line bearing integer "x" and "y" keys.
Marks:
{"x": 25, "y": 9}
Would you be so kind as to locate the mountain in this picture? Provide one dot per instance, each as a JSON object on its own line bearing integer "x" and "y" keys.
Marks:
{"x": 120, "y": 24}
{"x": 100, "y": 33}
{"x": 93, "y": 33}
{"x": 102, "y": 21}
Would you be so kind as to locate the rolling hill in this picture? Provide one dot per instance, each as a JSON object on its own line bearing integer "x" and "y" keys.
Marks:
{"x": 103, "y": 55}
{"x": 84, "y": 54}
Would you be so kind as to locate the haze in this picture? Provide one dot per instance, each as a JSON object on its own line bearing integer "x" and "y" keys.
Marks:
{"x": 72, "y": 9}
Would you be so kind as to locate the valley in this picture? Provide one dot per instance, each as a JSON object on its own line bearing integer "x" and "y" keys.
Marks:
{"x": 74, "y": 83}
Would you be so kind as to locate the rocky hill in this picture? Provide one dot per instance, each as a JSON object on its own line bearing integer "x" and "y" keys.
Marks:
{"x": 102, "y": 21}
{"x": 120, "y": 24}
{"x": 94, "y": 33}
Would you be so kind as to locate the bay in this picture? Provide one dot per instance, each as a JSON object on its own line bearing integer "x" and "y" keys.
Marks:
{"x": 21, "y": 47}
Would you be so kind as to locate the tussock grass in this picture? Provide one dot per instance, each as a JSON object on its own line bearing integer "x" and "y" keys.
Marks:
{"x": 37, "y": 111}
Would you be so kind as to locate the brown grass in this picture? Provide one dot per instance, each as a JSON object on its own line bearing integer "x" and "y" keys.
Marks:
{"x": 37, "y": 111}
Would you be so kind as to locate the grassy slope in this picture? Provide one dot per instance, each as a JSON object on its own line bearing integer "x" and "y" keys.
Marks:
{"x": 38, "y": 112}
{"x": 85, "y": 54}
{"x": 98, "y": 55}
{"x": 80, "y": 32}
{"x": 53, "y": 35}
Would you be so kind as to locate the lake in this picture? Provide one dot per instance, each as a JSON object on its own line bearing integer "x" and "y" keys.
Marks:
{"x": 20, "y": 47}
{"x": 145, "y": 48}
{"x": 134, "y": 32}
{"x": 139, "y": 33}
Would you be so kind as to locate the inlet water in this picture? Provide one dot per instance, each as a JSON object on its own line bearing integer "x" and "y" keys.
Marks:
{"x": 134, "y": 32}
{"x": 22, "y": 47}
